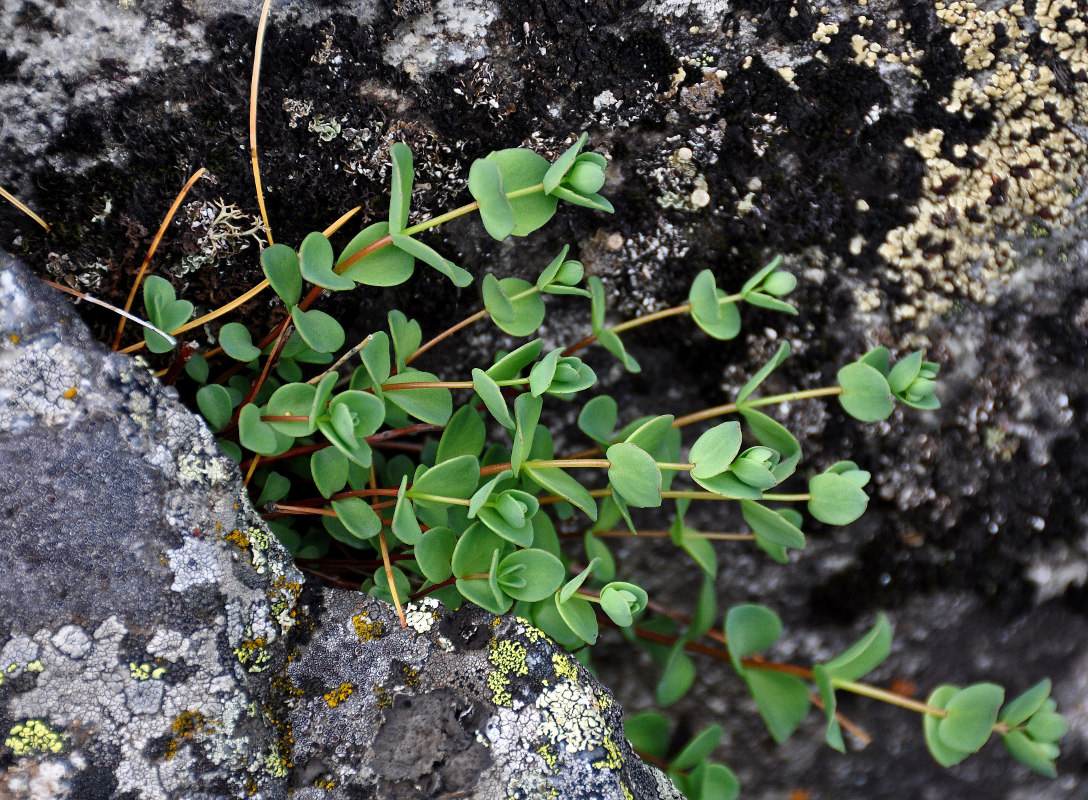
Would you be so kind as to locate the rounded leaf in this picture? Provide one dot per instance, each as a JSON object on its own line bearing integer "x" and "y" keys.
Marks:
{"x": 1018, "y": 710}
{"x": 522, "y": 169}
{"x": 866, "y": 395}
{"x": 714, "y": 451}
{"x": 320, "y": 331}
{"x": 281, "y": 267}
{"x": 634, "y": 475}
{"x": 943, "y": 754}
{"x": 316, "y": 261}
{"x": 237, "y": 343}
{"x": 972, "y": 713}
{"x": 577, "y": 612}
{"x": 749, "y": 629}
{"x": 836, "y": 499}
{"x": 385, "y": 266}
{"x": 292, "y": 399}
{"x": 543, "y": 574}
{"x": 485, "y": 184}
{"x": 215, "y": 404}
{"x": 358, "y": 517}
{"x": 434, "y": 554}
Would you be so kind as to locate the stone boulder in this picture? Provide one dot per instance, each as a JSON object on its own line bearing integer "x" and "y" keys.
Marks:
{"x": 158, "y": 642}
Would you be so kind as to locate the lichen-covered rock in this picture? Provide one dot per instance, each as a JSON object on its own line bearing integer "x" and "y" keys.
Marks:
{"x": 156, "y": 641}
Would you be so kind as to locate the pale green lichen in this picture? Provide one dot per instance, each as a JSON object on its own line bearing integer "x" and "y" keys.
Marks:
{"x": 570, "y": 714}
{"x": 145, "y": 672}
{"x": 34, "y": 736}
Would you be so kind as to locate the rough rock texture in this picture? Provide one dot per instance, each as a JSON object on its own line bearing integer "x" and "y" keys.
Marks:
{"x": 921, "y": 166}
{"x": 157, "y": 641}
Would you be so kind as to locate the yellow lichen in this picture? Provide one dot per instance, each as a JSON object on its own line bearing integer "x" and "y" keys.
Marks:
{"x": 338, "y": 695}
{"x": 564, "y": 666}
{"x": 384, "y": 700}
{"x": 34, "y": 736}
{"x": 366, "y": 630}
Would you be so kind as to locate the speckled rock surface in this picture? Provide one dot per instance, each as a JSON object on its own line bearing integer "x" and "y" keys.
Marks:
{"x": 156, "y": 641}
{"x": 922, "y": 168}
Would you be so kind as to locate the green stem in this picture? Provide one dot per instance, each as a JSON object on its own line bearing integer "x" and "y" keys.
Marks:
{"x": 437, "y": 498}
{"x": 866, "y": 690}
{"x": 731, "y": 408}
{"x": 446, "y": 384}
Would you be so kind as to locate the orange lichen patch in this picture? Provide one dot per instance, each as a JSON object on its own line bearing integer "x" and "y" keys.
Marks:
{"x": 409, "y": 675}
{"x": 338, "y": 695}
{"x": 384, "y": 700}
{"x": 69, "y": 393}
{"x": 15, "y": 339}
{"x": 236, "y": 537}
{"x": 186, "y": 726}
{"x": 366, "y": 630}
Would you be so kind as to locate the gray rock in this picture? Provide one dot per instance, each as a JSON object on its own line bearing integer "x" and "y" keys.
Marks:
{"x": 158, "y": 641}
{"x": 876, "y": 145}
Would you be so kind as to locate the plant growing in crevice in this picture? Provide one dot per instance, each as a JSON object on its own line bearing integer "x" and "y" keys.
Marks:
{"x": 427, "y": 486}
{"x": 402, "y": 469}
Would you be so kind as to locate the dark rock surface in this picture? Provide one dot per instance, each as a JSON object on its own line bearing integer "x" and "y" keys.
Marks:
{"x": 158, "y": 642}
{"x": 922, "y": 169}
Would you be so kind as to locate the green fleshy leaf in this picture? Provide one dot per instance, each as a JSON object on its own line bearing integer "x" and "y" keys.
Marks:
{"x": 903, "y": 374}
{"x": 517, "y": 317}
{"x": 329, "y": 468}
{"x": 753, "y": 283}
{"x": 710, "y": 781}
{"x": 972, "y": 713}
{"x": 510, "y": 365}
{"x": 764, "y": 372}
{"x": 773, "y": 303}
{"x": 485, "y": 184}
{"x": 634, "y": 475}
{"x": 320, "y": 331}
{"x": 551, "y": 272}
{"x": 434, "y": 554}
{"x": 594, "y": 201}
{"x": 943, "y": 754}
{"x": 648, "y": 732}
{"x": 614, "y": 345}
{"x": 428, "y": 255}
{"x": 543, "y": 574}
{"x": 491, "y": 394}
{"x": 750, "y": 629}
{"x": 836, "y": 499}
{"x": 293, "y": 399}
{"x": 575, "y": 583}
{"x": 406, "y": 335}
{"x": 465, "y": 434}
{"x": 475, "y": 550}
{"x": 561, "y": 166}
{"x": 400, "y": 190}
{"x": 1019, "y": 710}
{"x": 879, "y": 359}
{"x": 526, "y": 416}
{"x": 782, "y": 700}
{"x": 597, "y": 550}
{"x": 865, "y": 655}
{"x": 254, "y": 434}
{"x": 623, "y": 601}
{"x": 358, "y": 517}
{"x": 773, "y": 435}
{"x": 1037, "y": 756}
{"x": 215, "y": 404}
{"x": 866, "y": 395}
{"x": 577, "y": 612}
{"x": 824, "y": 685}
{"x": 316, "y": 261}
{"x": 428, "y": 405}
{"x": 405, "y": 525}
{"x": 772, "y": 525}
{"x": 237, "y": 343}
{"x": 163, "y": 311}
{"x": 700, "y": 746}
{"x": 722, "y": 321}
{"x": 555, "y": 481}
{"x": 385, "y": 266}
{"x": 677, "y": 677}
{"x": 521, "y": 169}
{"x": 281, "y": 267}
{"x": 714, "y": 451}
{"x": 597, "y": 419}
{"x": 456, "y": 477}
{"x": 701, "y": 550}
{"x": 197, "y": 368}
